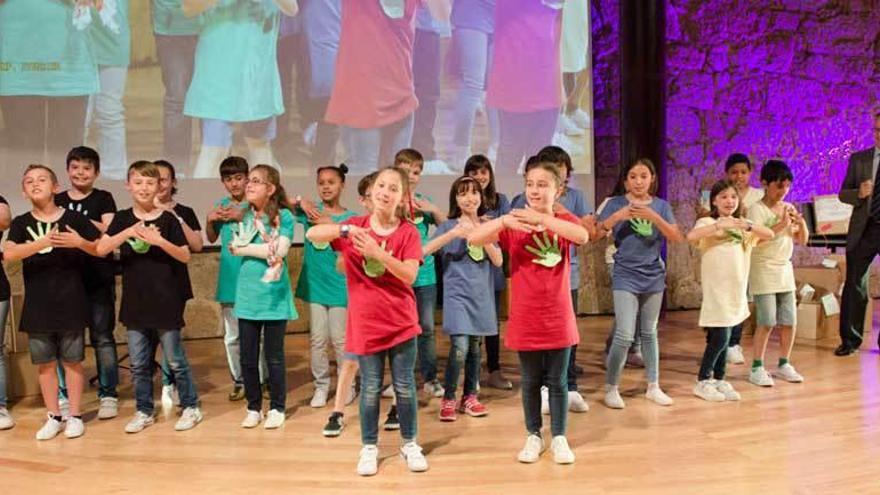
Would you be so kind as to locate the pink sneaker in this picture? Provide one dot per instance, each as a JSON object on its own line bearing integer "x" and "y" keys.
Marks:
{"x": 472, "y": 407}
{"x": 447, "y": 410}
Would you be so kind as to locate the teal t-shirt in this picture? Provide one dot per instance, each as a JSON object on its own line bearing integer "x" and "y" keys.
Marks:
{"x": 168, "y": 19}
{"x": 258, "y": 300}
{"x": 41, "y": 53}
{"x": 426, "y": 275}
{"x": 227, "y": 276}
{"x": 113, "y": 49}
{"x": 320, "y": 282}
{"x": 236, "y": 73}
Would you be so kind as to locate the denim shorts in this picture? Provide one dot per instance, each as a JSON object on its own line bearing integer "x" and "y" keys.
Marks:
{"x": 49, "y": 347}
{"x": 219, "y": 132}
{"x": 349, "y": 356}
{"x": 775, "y": 309}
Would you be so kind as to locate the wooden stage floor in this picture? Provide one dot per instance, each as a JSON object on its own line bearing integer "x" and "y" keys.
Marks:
{"x": 822, "y": 436}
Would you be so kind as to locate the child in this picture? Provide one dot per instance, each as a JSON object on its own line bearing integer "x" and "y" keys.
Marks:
{"x": 424, "y": 214}
{"x": 639, "y": 222}
{"x": 726, "y": 242}
{"x": 6, "y": 421}
{"x": 192, "y": 231}
{"x": 220, "y": 224}
{"x": 83, "y": 169}
{"x": 323, "y": 287}
{"x": 263, "y": 299}
{"x": 771, "y": 278}
{"x": 153, "y": 252}
{"x": 467, "y": 289}
{"x": 541, "y": 326}
{"x": 382, "y": 252}
{"x": 497, "y": 204}
{"x": 51, "y": 241}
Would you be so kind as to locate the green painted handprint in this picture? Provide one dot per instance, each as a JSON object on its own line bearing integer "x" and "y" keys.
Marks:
{"x": 244, "y": 234}
{"x": 546, "y": 254}
{"x": 641, "y": 226}
{"x": 373, "y": 267}
{"x": 139, "y": 246}
{"x": 43, "y": 230}
{"x": 770, "y": 222}
{"x": 735, "y": 236}
{"x": 477, "y": 253}
{"x": 320, "y": 246}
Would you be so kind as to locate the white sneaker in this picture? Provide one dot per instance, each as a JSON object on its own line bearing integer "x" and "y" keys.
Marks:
{"x": 190, "y": 417}
{"x": 108, "y": 408}
{"x": 320, "y": 398}
{"x": 657, "y": 396}
{"x": 562, "y": 453}
{"x": 51, "y": 428}
{"x": 6, "y": 421}
{"x": 64, "y": 407}
{"x": 568, "y": 144}
{"x": 727, "y": 390}
{"x": 434, "y": 389}
{"x": 252, "y": 419}
{"x": 580, "y": 118}
{"x": 613, "y": 398}
{"x": 274, "y": 420}
{"x": 388, "y": 392}
{"x": 415, "y": 460}
{"x": 761, "y": 377}
{"x": 545, "y": 400}
{"x": 310, "y": 134}
{"x": 789, "y": 374}
{"x": 170, "y": 396}
{"x": 735, "y": 355}
{"x": 140, "y": 421}
{"x": 368, "y": 464}
{"x": 75, "y": 428}
{"x": 566, "y": 126}
{"x": 576, "y": 402}
{"x": 706, "y": 390}
{"x": 532, "y": 450}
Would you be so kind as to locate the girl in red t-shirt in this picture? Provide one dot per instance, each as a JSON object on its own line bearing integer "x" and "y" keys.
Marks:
{"x": 381, "y": 253}
{"x": 541, "y": 325}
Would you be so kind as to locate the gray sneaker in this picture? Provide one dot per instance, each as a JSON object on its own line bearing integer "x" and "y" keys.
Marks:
{"x": 108, "y": 408}
{"x": 190, "y": 417}
{"x": 6, "y": 421}
{"x": 138, "y": 422}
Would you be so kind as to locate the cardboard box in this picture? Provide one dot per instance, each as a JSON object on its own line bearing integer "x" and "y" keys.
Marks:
{"x": 829, "y": 279}
{"x": 814, "y": 324}
{"x": 831, "y": 215}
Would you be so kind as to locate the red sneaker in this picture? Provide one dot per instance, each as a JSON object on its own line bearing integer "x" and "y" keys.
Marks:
{"x": 447, "y": 410}
{"x": 472, "y": 407}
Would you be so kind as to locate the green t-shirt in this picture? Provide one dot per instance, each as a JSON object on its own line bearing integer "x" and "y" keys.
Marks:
{"x": 168, "y": 19}
{"x": 320, "y": 282}
{"x": 426, "y": 275}
{"x": 236, "y": 73}
{"x": 227, "y": 276}
{"x": 113, "y": 49}
{"x": 41, "y": 53}
{"x": 258, "y": 300}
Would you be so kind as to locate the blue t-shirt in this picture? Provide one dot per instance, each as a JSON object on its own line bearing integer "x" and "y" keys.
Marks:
{"x": 574, "y": 201}
{"x": 468, "y": 299}
{"x": 474, "y": 14}
{"x": 426, "y": 22}
{"x": 638, "y": 266}
{"x": 502, "y": 208}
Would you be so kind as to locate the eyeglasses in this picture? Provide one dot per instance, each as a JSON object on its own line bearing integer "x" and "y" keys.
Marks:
{"x": 257, "y": 182}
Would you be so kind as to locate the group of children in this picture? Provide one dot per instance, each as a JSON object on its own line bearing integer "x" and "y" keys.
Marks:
{"x": 370, "y": 282}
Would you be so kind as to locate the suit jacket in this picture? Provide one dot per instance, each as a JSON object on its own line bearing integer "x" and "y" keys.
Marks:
{"x": 860, "y": 169}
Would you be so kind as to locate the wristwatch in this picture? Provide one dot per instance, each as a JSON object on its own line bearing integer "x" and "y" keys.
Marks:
{"x": 344, "y": 230}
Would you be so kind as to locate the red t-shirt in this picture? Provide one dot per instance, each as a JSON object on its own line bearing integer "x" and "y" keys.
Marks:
{"x": 374, "y": 79}
{"x": 541, "y": 315}
{"x": 381, "y": 310}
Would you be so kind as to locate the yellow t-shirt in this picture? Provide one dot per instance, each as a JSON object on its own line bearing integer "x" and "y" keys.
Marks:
{"x": 724, "y": 271}
{"x": 772, "y": 271}
{"x": 753, "y": 195}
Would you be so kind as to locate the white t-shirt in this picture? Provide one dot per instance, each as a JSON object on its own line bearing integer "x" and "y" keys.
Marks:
{"x": 724, "y": 272}
{"x": 772, "y": 271}
{"x": 753, "y": 195}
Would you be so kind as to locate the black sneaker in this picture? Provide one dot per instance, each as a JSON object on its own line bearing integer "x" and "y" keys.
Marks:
{"x": 334, "y": 425}
{"x": 237, "y": 393}
{"x": 391, "y": 422}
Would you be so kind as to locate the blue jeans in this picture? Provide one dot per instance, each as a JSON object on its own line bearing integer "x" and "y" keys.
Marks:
{"x": 426, "y": 81}
{"x": 714, "y": 359}
{"x": 403, "y": 361}
{"x": 628, "y": 308}
{"x": 370, "y": 149}
{"x": 464, "y": 350}
{"x": 426, "y": 301}
{"x": 102, "y": 341}
{"x": 176, "y": 56}
{"x": 534, "y": 366}
{"x": 107, "y": 112}
{"x": 142, "y": 345}
{"x": 474, "y": 55}
{"x": 4, "y": 312}
{"x": 523, "y": 135}
{"x": 273, "y": 345}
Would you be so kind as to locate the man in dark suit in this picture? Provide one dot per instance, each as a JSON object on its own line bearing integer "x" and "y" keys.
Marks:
{"x": 862, "y": 240}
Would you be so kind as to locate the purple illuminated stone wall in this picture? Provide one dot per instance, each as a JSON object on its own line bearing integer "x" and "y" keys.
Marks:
{"x": 605, "y": 23}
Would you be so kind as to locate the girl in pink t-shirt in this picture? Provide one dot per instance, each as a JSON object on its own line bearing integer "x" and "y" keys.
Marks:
{"x": 541, "y": 325}
{"x": 381, "y": 253}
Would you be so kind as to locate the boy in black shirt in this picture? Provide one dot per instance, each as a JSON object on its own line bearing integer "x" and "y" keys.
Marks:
{"x": 53, "y": 244}
{"x": 153, "y": 253}
{"x": 83, "y": 167}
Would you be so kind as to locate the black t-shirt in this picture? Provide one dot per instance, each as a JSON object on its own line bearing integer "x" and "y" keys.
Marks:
{"x": 153, "y": 293}
{"x": 188, "y": 215}
{"x": 55, "y": 297}
{"x": 5, "y": 292}
{"x": 100, "y": 281}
